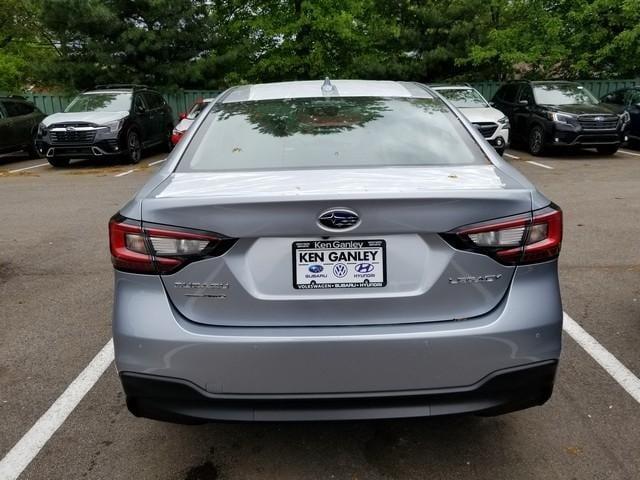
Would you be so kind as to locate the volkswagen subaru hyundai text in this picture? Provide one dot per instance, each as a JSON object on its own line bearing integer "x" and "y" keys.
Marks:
{"x": 117, "y": 120}
{"x": 335, "y": 250}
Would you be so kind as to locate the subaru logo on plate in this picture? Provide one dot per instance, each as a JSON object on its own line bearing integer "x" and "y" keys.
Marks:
{"x": 340, "y": 270}
{"x": 364, "y": 268}
{"x": 338, "y": 219}
{"x": 315, "y": 268}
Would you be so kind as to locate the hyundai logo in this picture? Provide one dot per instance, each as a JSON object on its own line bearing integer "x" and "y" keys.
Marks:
{"x": 315, "y": 268}
{"x": 340, "y": 270}
{"x": 338, "y": 219}
{"x": 364, "y": 268}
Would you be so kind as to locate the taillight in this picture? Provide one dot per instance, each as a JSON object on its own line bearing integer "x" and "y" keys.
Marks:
{"x": 176, "y": 135}
{"x": 159, "y": 249}
{"x": 518, "y": 240}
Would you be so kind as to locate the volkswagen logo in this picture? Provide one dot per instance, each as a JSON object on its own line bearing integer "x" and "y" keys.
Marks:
{"x": 338, "y": 219}
{"x": 364, "y": 268}
{"x": 340, "y": 270}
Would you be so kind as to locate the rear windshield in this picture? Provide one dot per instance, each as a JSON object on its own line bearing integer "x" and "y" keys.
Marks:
{"x": 568, "y": 94}
{"x": 100, "y": 102}
{"x": 464, "y": 98}
{"x": 328, "y": 133}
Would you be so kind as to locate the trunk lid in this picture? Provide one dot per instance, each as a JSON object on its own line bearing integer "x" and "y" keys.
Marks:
{"x": 268, "y": 212}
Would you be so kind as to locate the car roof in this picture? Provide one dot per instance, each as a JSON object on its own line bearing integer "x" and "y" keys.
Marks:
{"x": 110, "y": 90}
{"x": 334, "y": 88}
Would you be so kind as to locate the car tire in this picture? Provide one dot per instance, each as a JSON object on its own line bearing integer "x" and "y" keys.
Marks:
{"x": 58, "y": 162}
{"x": 607, "y": 149}
{"x": 33, "y": 151}
{"x": 167, "y": 144}
{"x": 134, "y": 147}
{"x": 536, "y": 142}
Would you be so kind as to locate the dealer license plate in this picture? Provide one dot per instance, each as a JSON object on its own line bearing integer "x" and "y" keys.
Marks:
{"x": 321, "y": 264}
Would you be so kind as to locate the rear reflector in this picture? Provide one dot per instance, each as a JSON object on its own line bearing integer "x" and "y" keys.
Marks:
{"x": 159, "y": 249}
{"x": 518, "y": 240}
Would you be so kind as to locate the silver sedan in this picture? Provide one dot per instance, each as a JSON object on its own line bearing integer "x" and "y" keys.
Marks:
{"x": 335, "y": 250}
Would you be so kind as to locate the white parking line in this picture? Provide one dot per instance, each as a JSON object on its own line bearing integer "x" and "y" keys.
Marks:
{"x": 605, "y": 359}
{"x": 125, "y": 173}
{"x": 629, "y": 153}
{"x": 23, "y": 452}
{"x": 157, "y": 162}
{"x": 28, "y": 168}
{"x": 511, "y": 156}
{"x": 537, "y": 164}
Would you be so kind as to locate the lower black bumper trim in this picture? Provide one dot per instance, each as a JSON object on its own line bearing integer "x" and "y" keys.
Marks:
{"x": 176, "y": 401}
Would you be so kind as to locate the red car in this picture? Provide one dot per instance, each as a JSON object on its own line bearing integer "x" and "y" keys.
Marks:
{"x": 186, "y": 119}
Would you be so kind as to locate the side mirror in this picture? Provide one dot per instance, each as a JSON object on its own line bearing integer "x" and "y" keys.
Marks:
{"x": 182, "y": 116}
{"x": 524, "y": 103}
{"x": 140, "y": 108}
{"x": 492, "y": 104}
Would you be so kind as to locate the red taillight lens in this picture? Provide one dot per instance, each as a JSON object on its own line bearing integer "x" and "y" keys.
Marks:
{"x": 515, "y": 240}
{"x": 159, "y": 249}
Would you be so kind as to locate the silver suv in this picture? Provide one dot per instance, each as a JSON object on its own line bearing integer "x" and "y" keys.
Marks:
{"x": 111, "y": 120}
{"x": 336, "y": 250}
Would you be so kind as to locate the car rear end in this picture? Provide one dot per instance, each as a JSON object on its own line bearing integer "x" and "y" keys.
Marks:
{"x": 331, "y": 262}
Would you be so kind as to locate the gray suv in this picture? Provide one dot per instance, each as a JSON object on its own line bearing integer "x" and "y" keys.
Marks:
{"x": 111, "y": 120}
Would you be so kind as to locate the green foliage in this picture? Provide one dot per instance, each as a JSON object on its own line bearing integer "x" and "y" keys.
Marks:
{"x": 215, "y": 43}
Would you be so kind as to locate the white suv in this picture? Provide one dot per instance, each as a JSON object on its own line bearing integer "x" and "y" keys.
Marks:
{"x": 491, "y": 122}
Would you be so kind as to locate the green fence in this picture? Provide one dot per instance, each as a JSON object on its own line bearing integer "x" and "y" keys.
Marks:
{"x": 181, "y": 101}
{"x": 597, "y": 87}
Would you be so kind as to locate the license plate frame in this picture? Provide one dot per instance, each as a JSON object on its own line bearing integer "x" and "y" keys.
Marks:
{"x": 326, "y": 278}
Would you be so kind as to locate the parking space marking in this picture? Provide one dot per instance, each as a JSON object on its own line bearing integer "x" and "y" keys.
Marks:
{"x": 28, "y": 168}
{"x": 603, "y": 357}
{"x": 537, "y": 164}
{"x": 23, "y": 452}
{"x": 157, "y": 162}
{"x": 511, "y": 156}
{"x": 629, "y": 153}
{"x": 125, "y": 173}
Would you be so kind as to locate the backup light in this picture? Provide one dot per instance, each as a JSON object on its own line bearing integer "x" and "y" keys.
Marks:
{"x": 159, "y": 250}
{"x": 518, "y": 240}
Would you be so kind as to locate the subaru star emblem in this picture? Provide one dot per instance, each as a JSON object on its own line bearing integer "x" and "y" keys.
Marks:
{"x": 338, "y": 219}
{"x": 315, "y": 268}
{"x": 599, "y": 119}
{"x": 70, "y": 129}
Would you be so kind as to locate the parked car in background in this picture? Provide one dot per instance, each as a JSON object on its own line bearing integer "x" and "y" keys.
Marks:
{"x": 559, "y": 114}
{"x": 335, "y": 250}
{"x": 186, "y": 119}
{"x": 19, "y": 121}
{"x": 492, "y": 123}
{"x": 111, "y": 120}
{"x": 626, "y": 101}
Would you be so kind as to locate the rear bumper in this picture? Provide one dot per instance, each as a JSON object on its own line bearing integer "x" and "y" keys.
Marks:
{"x": 331, "y": 363}
{"x": 181, "y": 402}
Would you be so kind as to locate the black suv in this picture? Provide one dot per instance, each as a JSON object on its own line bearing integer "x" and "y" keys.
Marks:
{"x": 111, "y": 120}
{"x": 627, "y": 100}
{"x": 544, "y": 114}
{"x": 19, "y": 121}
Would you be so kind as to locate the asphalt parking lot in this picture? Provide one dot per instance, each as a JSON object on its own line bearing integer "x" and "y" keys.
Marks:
{"x": 55, "y": 307}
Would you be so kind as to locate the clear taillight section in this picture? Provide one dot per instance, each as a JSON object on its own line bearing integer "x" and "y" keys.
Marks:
{"x": 518, "y": 240}
{"x": 159, "y": 249}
